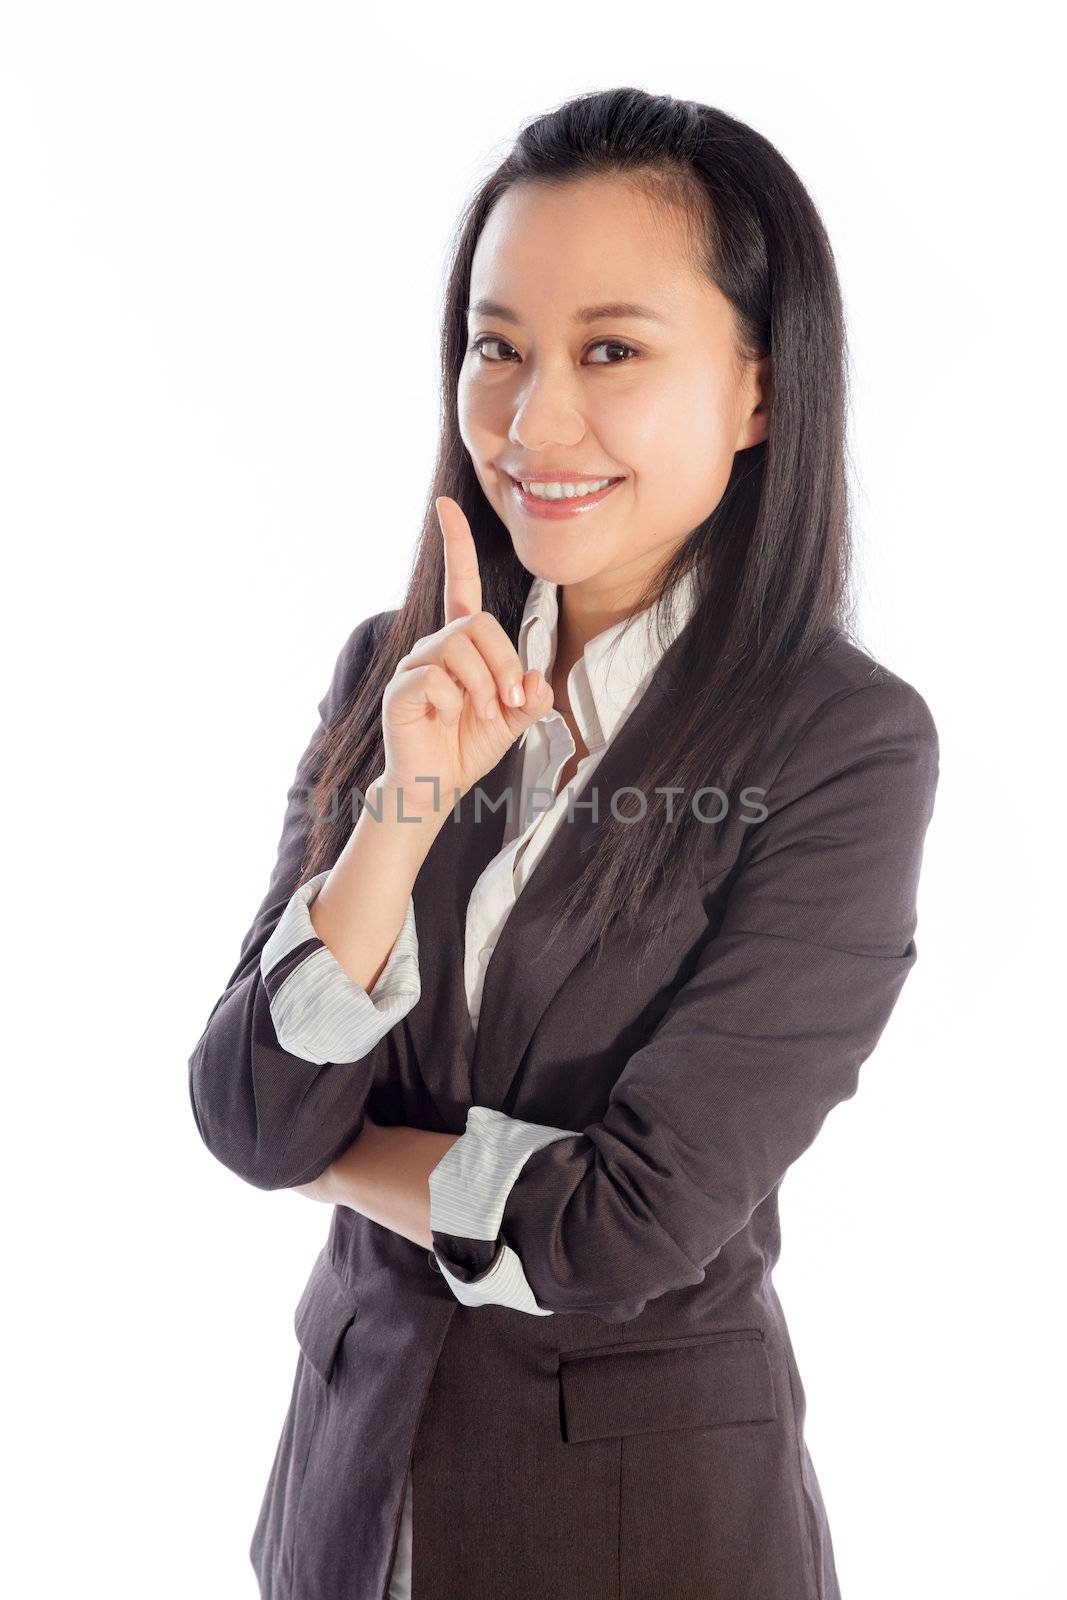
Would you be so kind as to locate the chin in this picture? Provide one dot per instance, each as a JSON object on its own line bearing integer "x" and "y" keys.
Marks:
{"x": 544, "y": 558}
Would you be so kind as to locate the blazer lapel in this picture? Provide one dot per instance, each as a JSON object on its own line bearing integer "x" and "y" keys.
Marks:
{"x": 459, "y": 855}
{"x": 526, "y": 970}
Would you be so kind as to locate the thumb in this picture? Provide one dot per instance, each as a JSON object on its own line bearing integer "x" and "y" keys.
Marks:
{"x": 539, "y": 699}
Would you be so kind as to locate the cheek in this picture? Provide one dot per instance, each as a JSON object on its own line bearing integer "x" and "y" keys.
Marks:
{"x": 482, "y": 415}
{"x": 481, "y": 439}
{"x": 675, "y": 438}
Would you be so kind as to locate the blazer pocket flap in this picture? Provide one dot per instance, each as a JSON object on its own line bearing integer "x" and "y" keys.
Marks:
{"x": 699, "y": 1384}
{"x": 327, "y": 1307}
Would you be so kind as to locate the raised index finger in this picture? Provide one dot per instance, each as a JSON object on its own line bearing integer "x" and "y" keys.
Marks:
{"x": 463, "y": 583}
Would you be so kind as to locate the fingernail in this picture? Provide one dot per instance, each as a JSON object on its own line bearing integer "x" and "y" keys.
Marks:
{"x": 516, "y": 695}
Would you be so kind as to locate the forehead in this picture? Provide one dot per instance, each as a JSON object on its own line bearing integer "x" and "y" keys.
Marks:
{"x": 549, "y": 249}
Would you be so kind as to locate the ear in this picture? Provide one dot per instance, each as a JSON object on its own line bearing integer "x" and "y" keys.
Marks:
{"x": 757, "y": 404}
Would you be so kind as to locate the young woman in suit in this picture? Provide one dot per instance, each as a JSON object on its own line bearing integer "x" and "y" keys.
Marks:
{"x": 596, "y": 886}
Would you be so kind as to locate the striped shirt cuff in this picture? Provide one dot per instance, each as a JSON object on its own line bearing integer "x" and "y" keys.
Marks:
{"x": 319, "y": 1013}
{"x": 469, "y": 1189}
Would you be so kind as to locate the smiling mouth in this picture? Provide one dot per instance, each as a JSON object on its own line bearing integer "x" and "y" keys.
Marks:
{"x": 556, "y": 507}
{"x": 587, "y": 477}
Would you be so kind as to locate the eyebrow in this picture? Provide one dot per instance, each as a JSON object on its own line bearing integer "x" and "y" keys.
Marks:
{"x": 613, "y": 308}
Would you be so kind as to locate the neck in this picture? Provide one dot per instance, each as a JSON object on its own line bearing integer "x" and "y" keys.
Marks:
{"x": 587, "y": 608}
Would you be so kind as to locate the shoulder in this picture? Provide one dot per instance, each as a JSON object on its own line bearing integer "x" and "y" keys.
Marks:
{"x": 845, "y": 688}
{"x": 354, "y": 658}
{"x": 849, "y": 726}
{"x": 366, "y": 637}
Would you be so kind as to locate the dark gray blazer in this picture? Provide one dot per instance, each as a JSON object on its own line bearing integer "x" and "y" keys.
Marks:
{"x": 647, "y": 1440}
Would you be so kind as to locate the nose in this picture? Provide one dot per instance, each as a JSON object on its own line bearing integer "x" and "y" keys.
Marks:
{"x": 546, "y": 417}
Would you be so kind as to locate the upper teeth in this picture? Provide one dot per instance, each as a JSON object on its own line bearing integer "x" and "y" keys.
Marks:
{"x": 563, "y": 491}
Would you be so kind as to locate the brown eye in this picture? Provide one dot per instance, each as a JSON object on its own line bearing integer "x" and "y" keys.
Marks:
{"x": 478, "y": 348}
{"x": 613, "y": 344}
{"x": 479, "y": 345}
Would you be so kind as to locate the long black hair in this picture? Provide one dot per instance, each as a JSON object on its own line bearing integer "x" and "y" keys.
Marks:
{"x": 771, "y": 564}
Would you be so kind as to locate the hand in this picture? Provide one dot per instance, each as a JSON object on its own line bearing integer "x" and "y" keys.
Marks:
{"x": 435, "y": 717}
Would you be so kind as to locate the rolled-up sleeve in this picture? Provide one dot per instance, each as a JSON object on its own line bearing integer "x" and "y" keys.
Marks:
{"x": 786, "y": 1001}
{"x": 280, "y": 1077}
{"x": 468, "y": 1190}
{"x": 319, "y": 1012}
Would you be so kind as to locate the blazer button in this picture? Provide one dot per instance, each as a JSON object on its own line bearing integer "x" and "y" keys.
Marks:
{"x": 432, "y": 1259}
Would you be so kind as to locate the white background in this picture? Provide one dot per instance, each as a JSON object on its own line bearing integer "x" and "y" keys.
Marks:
{"x": 224, "y": 239}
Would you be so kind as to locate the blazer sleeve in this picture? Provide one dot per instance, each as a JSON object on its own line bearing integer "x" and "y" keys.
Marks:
{"x": 786, "y": 1001}
{"x": 280, "y": 1076}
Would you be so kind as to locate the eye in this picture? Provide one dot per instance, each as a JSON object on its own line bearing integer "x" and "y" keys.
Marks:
{"x": 613, "y": 344}
{"x": 478, "y": 348}
{"x": 479, "y": 344}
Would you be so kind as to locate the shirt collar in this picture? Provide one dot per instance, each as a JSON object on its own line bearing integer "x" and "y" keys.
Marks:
{"x": 617, "y": 664}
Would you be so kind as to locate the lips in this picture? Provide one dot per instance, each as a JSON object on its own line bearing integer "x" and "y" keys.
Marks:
{"x": 556, "y": 510}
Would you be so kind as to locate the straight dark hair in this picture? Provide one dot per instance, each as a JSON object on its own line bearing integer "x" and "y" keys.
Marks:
{"x": 771, "y": 564}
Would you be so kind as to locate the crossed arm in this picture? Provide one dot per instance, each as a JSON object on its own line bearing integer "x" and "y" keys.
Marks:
{"x": 785, "y": 1003}
{"x": 384, "y": 1174}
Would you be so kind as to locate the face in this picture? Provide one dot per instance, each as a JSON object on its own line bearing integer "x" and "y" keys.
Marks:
{"x": 660, "y": 402}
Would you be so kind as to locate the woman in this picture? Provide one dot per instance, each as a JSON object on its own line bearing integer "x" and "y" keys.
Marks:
{"x": 631, "y": 899}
